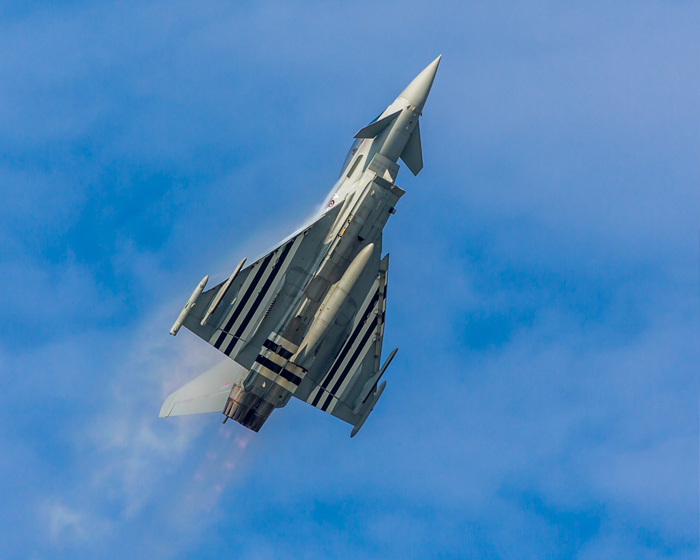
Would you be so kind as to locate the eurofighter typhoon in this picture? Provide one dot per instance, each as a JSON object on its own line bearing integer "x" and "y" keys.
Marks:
{"x": 307, "y": 318}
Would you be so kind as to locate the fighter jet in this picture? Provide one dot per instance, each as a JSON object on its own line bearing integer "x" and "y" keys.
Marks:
{"x": 307, "y": 318}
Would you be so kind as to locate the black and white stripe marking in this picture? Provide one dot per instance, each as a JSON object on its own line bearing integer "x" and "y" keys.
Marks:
{"x": 367, "y": 335}
{"x": 325, "y": 396}
{"x": 273, "y": 363}
{"x": 257, "y": 290}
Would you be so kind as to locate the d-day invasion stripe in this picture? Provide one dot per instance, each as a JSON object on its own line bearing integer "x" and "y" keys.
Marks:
{"x": 327, "y": 380}
{"x": 255, "y": 306}
{"x": 241, "y": 303}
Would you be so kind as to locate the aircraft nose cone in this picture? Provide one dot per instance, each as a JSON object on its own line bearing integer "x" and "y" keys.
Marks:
{"x": 417, "y": 91}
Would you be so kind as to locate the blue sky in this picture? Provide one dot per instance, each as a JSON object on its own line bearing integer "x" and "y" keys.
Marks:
{"x": 544, "y": 278}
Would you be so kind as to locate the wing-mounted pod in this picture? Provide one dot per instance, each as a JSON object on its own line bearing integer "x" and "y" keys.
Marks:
{"x": 188, "y": 306}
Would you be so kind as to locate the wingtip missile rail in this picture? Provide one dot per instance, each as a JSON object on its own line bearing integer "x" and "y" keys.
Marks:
{"x": 189, "y": 305}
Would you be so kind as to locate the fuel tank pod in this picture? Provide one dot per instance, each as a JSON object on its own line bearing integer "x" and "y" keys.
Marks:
{"x": 331, "y": 305}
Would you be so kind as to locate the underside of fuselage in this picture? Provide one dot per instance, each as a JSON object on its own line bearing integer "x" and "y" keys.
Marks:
{"x": 279, "y": 368}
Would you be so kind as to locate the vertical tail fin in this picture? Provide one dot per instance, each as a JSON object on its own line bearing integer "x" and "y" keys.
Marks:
{"x": 206, "y": 393}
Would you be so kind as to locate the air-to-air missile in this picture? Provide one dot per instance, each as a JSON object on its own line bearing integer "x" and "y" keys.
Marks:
{"x": 307, "y": 318}
{"x": 222, "y": 292}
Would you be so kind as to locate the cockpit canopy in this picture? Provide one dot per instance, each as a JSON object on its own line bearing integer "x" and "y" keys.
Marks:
{"x": 355, "y": 146}
{"x": 353, "y": 150}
